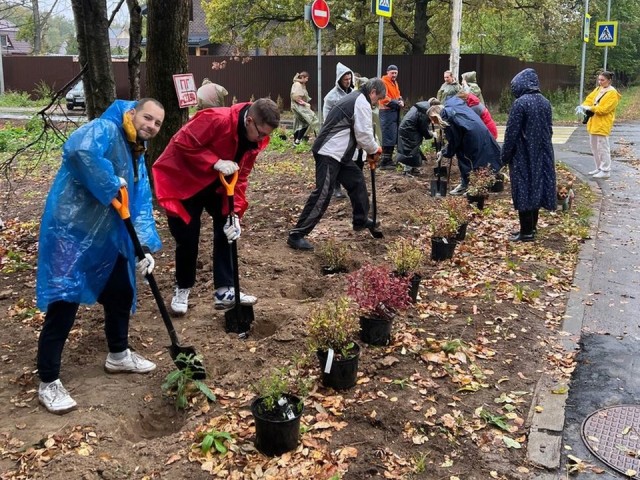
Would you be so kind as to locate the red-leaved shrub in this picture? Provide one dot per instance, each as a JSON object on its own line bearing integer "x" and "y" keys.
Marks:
{"x": 377, "y": 292}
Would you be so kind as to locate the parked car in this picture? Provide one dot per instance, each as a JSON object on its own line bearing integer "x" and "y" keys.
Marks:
{"x": 75, "y": 96}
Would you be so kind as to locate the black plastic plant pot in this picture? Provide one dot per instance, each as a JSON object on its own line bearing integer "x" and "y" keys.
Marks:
{"x": 438, "y": 190}
{"x": 462, "y": 232}
{"x": 414, "y": 285}
{"x": 375, "y": 331}
{"x": 328, "y": 270}
{"x": 498, "y": 186}
{"x": 276, "y": 434}
{"x": 441, "y": 250}
{"x": 343, "y": 372}
{"x": 478, "y": 200}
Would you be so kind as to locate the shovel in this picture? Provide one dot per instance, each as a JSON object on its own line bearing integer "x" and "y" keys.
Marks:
{"x": 373, "y": 161}
{"x": 439, "y": 187}
{"x": 175, "y": 349}
{"x": 239, "y": 318}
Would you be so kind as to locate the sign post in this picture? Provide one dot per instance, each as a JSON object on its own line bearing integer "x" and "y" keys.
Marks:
{"x": 186, "y": 90}
{"x": 320, "y": 16}
{"x": 585, "y": 38}
{"x": 382, "y": 8}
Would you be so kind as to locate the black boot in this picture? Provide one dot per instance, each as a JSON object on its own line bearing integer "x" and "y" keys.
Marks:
{"x": 526, "y": 227}
{"x": 298, "y": 135}
{"x": 298, "y": 242}
{"x": 535, "y": 221}
{"x": 386, "y": 163}
{"x": 338, "y": 193}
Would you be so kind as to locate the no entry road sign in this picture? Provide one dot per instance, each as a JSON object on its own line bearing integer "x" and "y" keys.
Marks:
{"x": 320, "y": 13}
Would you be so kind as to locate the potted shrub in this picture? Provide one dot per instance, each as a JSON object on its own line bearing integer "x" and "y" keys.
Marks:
{"x": 459, "y": 210}
{"x": 406, "y": 256}
{"x": 480, "y": 182}
{"x": 332, "y": 328}
{"x": 444, "y": 229}
{"x": 379, "y": 295}
{"x": 333, "y": 256}
{"x": 277, "y": 411}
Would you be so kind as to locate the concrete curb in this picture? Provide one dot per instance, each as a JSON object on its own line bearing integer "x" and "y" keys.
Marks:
{"x": 544, "y": 447}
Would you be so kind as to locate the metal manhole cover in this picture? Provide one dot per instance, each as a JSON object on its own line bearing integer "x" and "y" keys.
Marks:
{"x": 613, "y": 435}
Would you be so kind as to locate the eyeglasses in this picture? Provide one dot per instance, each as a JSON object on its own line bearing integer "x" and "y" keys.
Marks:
{"x": 260, "y": 133}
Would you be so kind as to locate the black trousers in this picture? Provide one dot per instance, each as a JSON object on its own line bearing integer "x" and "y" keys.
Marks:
{"x": 330, "y": 172}
{"x": 187, "y": 237}
{"x": 116, "y": 298}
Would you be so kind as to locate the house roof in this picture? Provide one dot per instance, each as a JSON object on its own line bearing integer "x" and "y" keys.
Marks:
{"x": 14, "y": 46}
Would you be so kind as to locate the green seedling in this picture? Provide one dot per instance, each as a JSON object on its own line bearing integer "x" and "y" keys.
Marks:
{"x": 401, "y": 382}
{"x": 421, "y": 463}
{"x": 181, "y": 383}
{"x": 214, "y": 439}
{"x": 495, "y": 420}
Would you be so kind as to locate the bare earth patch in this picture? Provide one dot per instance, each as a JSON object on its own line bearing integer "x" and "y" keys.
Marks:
{"x": 449, "y": 398}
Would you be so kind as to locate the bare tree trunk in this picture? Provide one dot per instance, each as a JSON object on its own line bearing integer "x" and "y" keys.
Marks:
{"x": 94, "y": 52}
{"x": 167, "y": 33}
{"x": 135, "y": 52}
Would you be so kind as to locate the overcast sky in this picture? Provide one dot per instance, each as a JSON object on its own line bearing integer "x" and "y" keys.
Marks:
{"x": 63, "y": 7}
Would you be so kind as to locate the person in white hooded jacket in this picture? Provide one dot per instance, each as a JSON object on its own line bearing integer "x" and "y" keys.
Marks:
{"x": 344, "y": 86}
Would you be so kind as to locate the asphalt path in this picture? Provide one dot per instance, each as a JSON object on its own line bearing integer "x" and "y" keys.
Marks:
{"x": 603, "y": 313}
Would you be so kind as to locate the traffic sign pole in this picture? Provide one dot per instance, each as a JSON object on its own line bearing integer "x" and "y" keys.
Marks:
{"x": 320, "y": 16}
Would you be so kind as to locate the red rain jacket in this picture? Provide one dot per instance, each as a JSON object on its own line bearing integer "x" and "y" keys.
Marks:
{"x": 186, "y": 165}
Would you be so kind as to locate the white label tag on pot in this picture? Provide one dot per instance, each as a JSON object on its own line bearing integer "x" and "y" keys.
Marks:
{"x": 327, "y": 366}
{"x": 445, "y": 240}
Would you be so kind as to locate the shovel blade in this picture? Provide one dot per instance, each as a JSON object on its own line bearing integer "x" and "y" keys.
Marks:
{"x": 438, "y": 190}
{"x": 197, "y": 368}
{"x": 239, "y": 319}
{"x": 376, "y": 233}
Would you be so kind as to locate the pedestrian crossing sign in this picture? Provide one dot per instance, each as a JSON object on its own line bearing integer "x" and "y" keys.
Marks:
{"x": 606, "y": 34}
{"x": 382, "y": 7}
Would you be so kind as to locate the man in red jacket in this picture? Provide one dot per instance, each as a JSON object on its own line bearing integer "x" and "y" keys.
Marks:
{"x": 187, "y": 181}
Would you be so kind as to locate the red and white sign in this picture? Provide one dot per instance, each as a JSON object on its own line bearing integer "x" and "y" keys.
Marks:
{"x": 186, "y": 90}
{"x": 320, "y": 13}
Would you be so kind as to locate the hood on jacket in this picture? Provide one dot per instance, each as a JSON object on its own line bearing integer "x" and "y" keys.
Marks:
{"x": 341, "y": 71}
{"x": 472, "y": 100}
{"x": 525, "y": 82}
{"x": 470, "y": 77}
{"x": 116, "y": 110}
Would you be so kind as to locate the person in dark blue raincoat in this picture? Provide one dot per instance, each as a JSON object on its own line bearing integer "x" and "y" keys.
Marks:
{"x": 85, "y": 253}
{"x": 528, "y": 151}
{"x": 467, "y": 138}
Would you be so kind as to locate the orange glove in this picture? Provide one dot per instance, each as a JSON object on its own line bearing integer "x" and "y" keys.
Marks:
{"x": 374, "y": 159}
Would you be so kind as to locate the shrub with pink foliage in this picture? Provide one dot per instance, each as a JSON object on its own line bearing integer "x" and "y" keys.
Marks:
{"x": 377, "y": 292}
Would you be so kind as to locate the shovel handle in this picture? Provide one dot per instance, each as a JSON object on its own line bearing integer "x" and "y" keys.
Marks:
{"x": 121, "y": 204}
{"x": 230, "y": 186}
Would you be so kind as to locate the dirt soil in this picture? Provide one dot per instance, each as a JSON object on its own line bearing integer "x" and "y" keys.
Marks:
{"x": 464, "y": 360}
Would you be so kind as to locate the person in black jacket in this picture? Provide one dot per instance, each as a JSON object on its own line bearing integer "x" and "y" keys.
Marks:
{"x": 414, "y": 128}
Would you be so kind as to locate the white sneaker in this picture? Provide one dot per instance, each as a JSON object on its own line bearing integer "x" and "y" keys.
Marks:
{"x": 55, "y": 398}
{"x": 225, "y": 298}
{"x": 602, "y": 174}
{"x": 593, "y": 172}
{"x": 180, "y": 301}
{"x": 459, "y": 190}
{"x": 131, "y": 363}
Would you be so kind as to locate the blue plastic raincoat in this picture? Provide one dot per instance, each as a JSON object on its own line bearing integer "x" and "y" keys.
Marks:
{"x": 81, "y": 234}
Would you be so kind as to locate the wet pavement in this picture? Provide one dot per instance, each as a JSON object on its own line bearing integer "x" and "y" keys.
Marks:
{"x": 603, "y": 311}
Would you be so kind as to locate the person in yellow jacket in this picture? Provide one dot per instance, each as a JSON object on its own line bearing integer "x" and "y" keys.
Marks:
{"x": 600, "y": 106}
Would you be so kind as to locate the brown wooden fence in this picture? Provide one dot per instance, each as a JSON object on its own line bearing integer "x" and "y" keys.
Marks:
{"x": 420, "y": 76}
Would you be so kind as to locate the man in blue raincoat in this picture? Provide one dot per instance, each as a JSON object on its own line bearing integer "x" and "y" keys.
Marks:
{"x": 85, "y": 253}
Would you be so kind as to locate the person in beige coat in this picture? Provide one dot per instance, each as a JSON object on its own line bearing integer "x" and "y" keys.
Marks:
{"x": 210, "y": 95}
{"x": 304, "y": 118}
